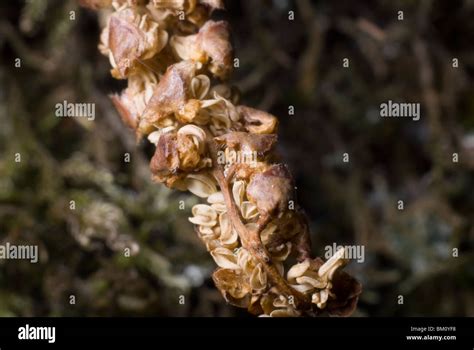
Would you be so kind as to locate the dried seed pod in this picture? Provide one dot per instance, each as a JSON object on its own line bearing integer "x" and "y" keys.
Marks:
{"x": 247, "y": 143}
{"x": 210, "y": 45}
{"x": 213, "y": 39}
{"x": 271, "y": 190}
{"x": 234, "y": 286}
{"x": 130, "y": 38}
{"x": 170, "y": 95}
{"x": 258, "y": 122}
{"x": 166, "y": 159}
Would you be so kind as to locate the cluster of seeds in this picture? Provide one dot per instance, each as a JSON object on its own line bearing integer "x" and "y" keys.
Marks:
{"x": 176, "y": 61}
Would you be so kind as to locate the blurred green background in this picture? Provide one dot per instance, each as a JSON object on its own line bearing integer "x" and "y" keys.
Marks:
{"x": 282, "y": 63}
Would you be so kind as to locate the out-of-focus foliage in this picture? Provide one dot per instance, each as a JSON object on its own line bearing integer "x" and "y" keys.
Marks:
{"x": 282, "y": 63}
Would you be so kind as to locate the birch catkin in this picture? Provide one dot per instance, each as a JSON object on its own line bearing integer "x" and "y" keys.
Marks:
{"x": 177, "y": 62}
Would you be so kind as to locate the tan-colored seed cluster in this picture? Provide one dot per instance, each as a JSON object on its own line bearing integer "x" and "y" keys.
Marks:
{"x": 176, "y": 60}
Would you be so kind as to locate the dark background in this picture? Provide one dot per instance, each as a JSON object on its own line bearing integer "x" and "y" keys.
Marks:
{"x": 282, "y": 63}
